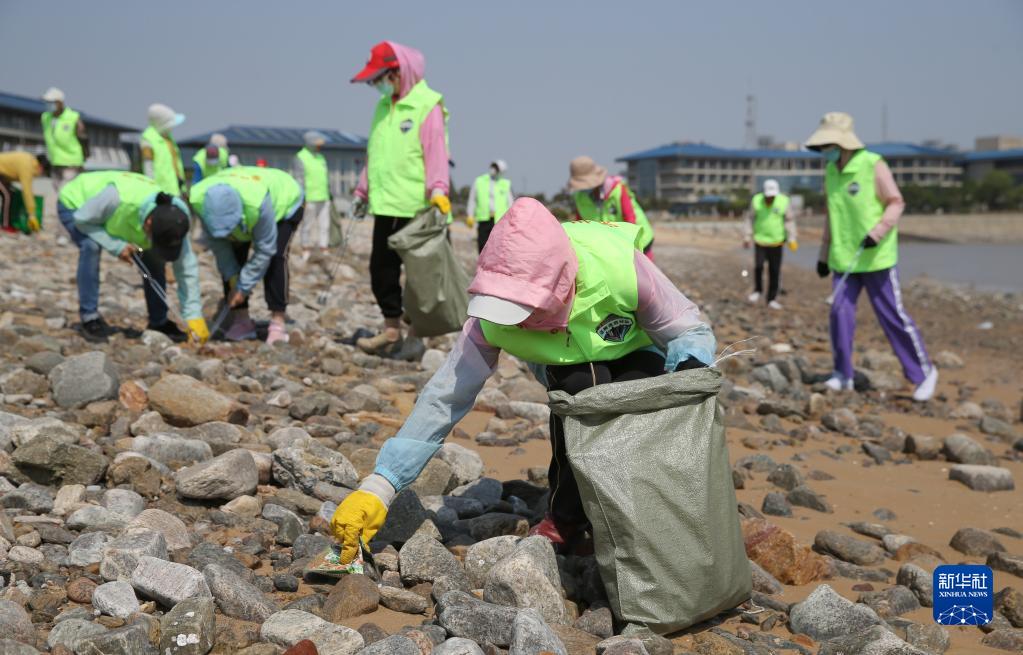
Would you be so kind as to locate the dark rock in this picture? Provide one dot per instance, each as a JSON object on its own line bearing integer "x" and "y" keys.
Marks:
{"x": 775, "y": 504}
{"x": 973, "y": 541}
{"x": 848, "y": 549}
{"x": 48, "y": 461}
{"x": 353, "y": 595}
{"x": 892, "y": 602}
{"x": 235, "y": 596}
{"x": 804, "y": 496}
{"x": 785, "y": 476}
{"x": 463, "y": 615}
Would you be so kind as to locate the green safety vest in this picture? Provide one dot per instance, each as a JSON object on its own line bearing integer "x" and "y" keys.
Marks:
{"x": 61, "y": 136}
{"x": 317, "y": 178}
{"x": 769, "y": 220}
{"x": 853, "y": 210}
{"x": 396, "y": 171}
{"x": 133, "y": 189}
{"x": 611, "y": 211}
{"x": 252, "y": 184}
{"x": 208, "y": 168}
{"x": 484, "y": 212}
{"x": 602, "y": 323}
{"x": 168, "y": 170}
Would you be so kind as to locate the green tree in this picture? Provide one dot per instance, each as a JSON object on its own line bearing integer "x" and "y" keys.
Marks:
{"x": 995, "y": 190}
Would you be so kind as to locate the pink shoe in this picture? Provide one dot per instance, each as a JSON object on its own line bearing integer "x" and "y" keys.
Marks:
{"x": 241, "y": 329}
{"x": 275, "y": 333}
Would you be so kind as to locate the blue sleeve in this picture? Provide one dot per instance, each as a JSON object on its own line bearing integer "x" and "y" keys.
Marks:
{"x": 264, "y": 246}
{"x": 224, "y": 254}
{"x": 91, "y": 219}
{"x": 186, "y": 272}
{"x": 444, "y": 401}
{"x": 197, "y": 173}
{"x": 698, "y": 341}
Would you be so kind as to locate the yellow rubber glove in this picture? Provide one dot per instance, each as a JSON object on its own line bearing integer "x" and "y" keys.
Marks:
{"x": 441, "y": 202}
{"x": 793, "y": 245}
{"x": 470, "y": 221}
{"x": 359, "y": 516}
{"x": 197, "y": 330}
{"x": 33, "y": 224}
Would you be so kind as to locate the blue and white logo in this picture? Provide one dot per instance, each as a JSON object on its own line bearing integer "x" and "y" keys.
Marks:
{"x": 963, "y": 594}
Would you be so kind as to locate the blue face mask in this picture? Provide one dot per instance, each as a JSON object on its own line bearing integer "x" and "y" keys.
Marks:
{"x": 385, "y": 87}
{"x": 833, "y": 154}
{"x": 51, "y": 107}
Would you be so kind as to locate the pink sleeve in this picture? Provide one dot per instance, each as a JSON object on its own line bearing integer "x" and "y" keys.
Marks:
{"x": 435, "y": 151}
{"x": 362, "y": 188}
{"x": 888, "y": 193}
{"x": 663, "y": 310}
{"x": 473, "y": 331}
{"x": 628, "y": 213}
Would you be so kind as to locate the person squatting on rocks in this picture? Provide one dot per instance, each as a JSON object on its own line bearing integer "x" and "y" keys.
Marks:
{"x": 583, "y": 306}
{"x": 128, "y": 215}
{"x": 406, "y": 172}
{"x": 602, "y": 197}
{"x": 23, "y": 168}
{"x": 243, "y": 208}
{"x": 769, "y": 225}
{"x": 863, "y": 209}
{"x": 489, "y": 199}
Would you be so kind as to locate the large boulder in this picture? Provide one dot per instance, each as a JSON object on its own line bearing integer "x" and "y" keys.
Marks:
{"x": 85, "y": 378}
{"x": 528, "y": 577}
{"x": 288, "y": 627}
{"x": 52, "y": 462}
{"x": 825, "y": 615}
{"x": 166, "y": 582}
{"x": 224, "y": 477}
{"x": 307, "y": 461}
{"x": 185, "y": 401}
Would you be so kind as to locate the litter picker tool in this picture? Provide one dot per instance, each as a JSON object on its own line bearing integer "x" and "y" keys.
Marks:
{"x": 323, "y": 296}
{"x": 161, "y": 294}
{"x": 841, "y": 282}
{"x": 219, "y": 320}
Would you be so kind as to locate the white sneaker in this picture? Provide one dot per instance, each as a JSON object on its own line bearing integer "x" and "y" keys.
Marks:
{"x": 753, "y": 297}
{"x": 774, "y": 304}
{"x": 836, "y": 383}
{"x": 925, "y": 390}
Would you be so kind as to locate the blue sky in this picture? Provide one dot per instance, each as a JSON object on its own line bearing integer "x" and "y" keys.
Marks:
{"x": 537, "y": 83}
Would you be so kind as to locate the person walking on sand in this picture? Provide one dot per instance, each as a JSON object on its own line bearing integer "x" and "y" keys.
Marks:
{"x": 602, "y": 197}
{"x": 65, "y": 136}
{"x": 860, "y": 236}
{"x": 489, "y": 198}
{"x": 406, "y": 172}
{"x": 584, "y": 307}
{"x": 769, "y": 225}
{"x": 310, "y": 171}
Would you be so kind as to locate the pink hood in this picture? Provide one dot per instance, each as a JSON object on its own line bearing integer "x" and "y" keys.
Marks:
{"x": 529, "y": 260}
{"x": 412, "y": 65}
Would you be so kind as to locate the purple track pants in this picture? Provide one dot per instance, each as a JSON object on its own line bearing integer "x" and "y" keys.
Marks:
{"x": 885, "y": 295}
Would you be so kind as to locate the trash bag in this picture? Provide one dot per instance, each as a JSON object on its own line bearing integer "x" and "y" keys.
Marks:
{"x": 652, "y": 466}
{"x": 436, "y": 296}
{"x": 336, "y": 236}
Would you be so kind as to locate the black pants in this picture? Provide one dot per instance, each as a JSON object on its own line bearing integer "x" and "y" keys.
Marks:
{"x": 483, "y": 230}
{"x": 566, "y": 506}
{"x": 385, "y": 266}
{"x": 276, "y": 280}
{"x": 6, "y": 194}
{"x": 773, "y": 256}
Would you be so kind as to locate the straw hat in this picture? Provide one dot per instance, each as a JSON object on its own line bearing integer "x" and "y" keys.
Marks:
{"x": 585, "y": 174}
{"x": 836, "y": 127}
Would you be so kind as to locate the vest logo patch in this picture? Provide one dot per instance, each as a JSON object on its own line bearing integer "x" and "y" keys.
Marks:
{"x": 614, "y": 328}
{"x": 854, "y": 188}
{"x": 405, "y": 126}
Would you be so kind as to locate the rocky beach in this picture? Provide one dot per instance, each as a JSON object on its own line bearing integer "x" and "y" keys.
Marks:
{"x": 164, "y": 498}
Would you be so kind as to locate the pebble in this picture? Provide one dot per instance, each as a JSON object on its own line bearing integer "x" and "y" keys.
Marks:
{"x": 115, "y": 599}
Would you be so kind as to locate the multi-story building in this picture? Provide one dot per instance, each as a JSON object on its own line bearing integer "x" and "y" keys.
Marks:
{"x": 277, "y": 146}
{"x": 979, "y": 164}
{"x": 687, "y": 172}
{"x": 998, "y": 142}
{"x": 20, "y": 129}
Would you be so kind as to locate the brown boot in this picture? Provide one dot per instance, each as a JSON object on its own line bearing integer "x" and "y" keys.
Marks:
{"x": 373, "y": 345}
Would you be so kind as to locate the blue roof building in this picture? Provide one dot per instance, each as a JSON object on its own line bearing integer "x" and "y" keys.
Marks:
{"x": 345, "y": 151}
{"x": 686, "y": 172}
{"x": 979, "y": 164}
{"x": 20, "y": 129}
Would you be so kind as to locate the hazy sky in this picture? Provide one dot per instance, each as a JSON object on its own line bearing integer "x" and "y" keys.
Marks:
{"x": 537, "y": 83}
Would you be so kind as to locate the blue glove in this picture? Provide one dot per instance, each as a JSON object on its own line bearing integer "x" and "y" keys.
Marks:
{"x": 697, "y": 343}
